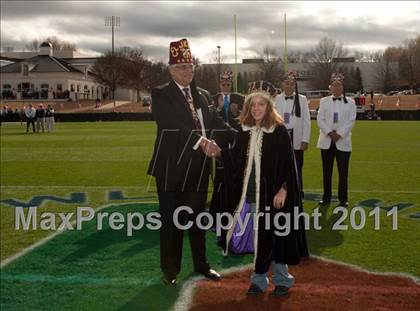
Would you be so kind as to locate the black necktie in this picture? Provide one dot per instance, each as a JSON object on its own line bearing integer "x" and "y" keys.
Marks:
{"x": 336, "y": 98}
{"x": 288, "y": 97}
{"x": 191, "y": 106}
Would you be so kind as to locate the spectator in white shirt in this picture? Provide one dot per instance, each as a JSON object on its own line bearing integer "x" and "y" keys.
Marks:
{"x": 294, "y": 109}
{"x": 336, "y": 118}
{"x": 30, "y": 114}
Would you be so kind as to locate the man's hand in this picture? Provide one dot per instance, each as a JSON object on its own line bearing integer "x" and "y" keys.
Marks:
{"x": 280, "y": 198}
{"x": 210, "y": 148}
{"x": 337, "y": 136}
{"x": 334, "y": 136}
{"x": 304, "y": 146}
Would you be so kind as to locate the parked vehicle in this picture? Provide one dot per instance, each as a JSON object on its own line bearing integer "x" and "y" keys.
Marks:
{"x": 313, "y": 113}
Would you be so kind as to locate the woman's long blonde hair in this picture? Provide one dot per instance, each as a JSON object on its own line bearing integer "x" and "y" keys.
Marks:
{"x": 271, "y": 117}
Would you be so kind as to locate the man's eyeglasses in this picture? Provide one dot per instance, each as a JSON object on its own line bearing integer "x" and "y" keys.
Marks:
{"x": 225, "y": 84}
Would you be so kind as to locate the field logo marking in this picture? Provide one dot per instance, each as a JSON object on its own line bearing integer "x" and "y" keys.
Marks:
{"x": 118, "y": 195}
{"x": 75, "y": 198}
{"x": 37, "y": 244}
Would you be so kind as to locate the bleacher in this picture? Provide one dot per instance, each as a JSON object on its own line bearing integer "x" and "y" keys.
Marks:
{"x": 406, "y": 102}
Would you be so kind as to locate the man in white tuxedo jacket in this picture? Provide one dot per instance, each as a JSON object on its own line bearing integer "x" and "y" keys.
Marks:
{"x": 336, "y": 118}
{"x": 294, "y": 109}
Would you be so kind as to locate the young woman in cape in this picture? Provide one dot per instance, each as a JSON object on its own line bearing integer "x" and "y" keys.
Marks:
{"x": 263, "y": 179}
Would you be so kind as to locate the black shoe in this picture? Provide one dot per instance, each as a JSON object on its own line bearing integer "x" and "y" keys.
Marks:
{"x": 280, "y": 291}
{"x": 169, "y": 280}
{"x": 344, "y": 204}
{"x": 211, "y": 275}
{"x": 254, "y": 290}
{"x": 324, "y": 202}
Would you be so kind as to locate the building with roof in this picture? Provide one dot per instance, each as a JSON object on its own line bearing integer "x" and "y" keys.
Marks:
{"x": 52, "y": 75}
{"x": 47, "y": 77}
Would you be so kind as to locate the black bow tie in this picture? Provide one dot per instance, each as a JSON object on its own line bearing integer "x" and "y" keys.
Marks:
{"x": 288, "y": 97}
{"x": 336, "y": 98}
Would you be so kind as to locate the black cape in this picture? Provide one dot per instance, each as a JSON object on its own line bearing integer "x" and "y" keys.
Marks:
{"x": 277, "y": 167}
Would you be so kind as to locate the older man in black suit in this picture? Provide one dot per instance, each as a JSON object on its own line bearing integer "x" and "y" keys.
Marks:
{"x": 186, "y": 140}
{"x": 228, "y": 104}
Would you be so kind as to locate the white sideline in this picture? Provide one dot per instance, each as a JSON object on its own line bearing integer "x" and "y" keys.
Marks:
{"x": 183, "y": 303}
{"x": 30, "y": 248}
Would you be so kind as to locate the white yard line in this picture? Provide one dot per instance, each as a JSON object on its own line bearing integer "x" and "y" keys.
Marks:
{"x": 368, "y": 191}
{"x": 73, "y": 187}
{"x": 145, "y": 187}
{"x": 34, "y": 246}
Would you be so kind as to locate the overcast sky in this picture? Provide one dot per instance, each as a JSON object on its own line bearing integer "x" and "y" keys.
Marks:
{"x": 366, "y": 26}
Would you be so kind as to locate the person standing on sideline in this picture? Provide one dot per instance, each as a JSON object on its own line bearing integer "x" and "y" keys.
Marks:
{"x": 181, "y": 163}
{"x": 40, "y": 118}
{"x": 336, "y": 118}
{"x": 228, "y": 104}
{"x": 294, "y": 109}
{"x": 30, "y": 114}
{"x": 49, "y": 118}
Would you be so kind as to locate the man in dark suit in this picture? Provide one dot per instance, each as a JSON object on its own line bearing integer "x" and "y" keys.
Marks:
{"x": 228, "y": 104}
{"x": 187, "y": 131}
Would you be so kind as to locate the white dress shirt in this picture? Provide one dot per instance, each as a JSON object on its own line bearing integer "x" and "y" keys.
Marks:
{"x": 30, "y": 112}
{"x": 339, "y": 116}
{"x": 301, "y": 126}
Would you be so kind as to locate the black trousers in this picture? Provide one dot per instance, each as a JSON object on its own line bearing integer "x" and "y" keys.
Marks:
{"x": 171, "y": 237}
{"x": 28, "y": 122}
{"x": 299, "y": 165}
{"x": 342, "y": 158}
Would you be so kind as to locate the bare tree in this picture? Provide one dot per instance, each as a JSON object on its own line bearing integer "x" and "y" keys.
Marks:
{"x": 322, "y": 61}
{"x": 386, "y": 76}
{"x": 360, "y": 56}
{"x": 271, "y": 68}
{"x": 32, "y": 46}
{"x": 57, "y": 44}
{"x": 60, "y": 45}
{"x": 109, "y": 70}
{"x": 374, "y": 56}
{"x": 134, "y": 72}
{"x": 207, "y": 77}
{"x": 155, "y": 74}
{"x": 409, "y": 62}
{"x": 298, "y": 57}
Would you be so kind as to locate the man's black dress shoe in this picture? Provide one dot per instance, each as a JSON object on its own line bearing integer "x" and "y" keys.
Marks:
{"x": 344, "y": 204}
{"x": 169, "y": 280}
{"x": 324, "y": 202}
{"x": 211, "y": 275}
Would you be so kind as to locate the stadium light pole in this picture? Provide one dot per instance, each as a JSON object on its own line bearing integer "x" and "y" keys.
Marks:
{"x": 219, "y": 68}
{"x": 235, "y": 85}
{"x": 112, "y": 21}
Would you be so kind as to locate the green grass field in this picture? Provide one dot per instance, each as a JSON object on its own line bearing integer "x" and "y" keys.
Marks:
{"x": 103, "y": 165}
